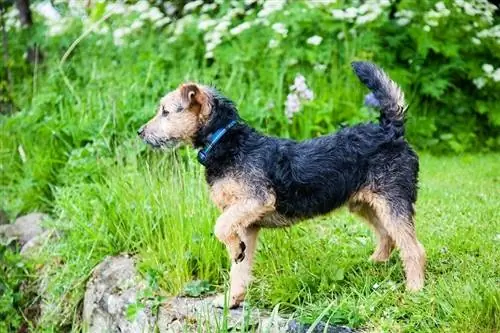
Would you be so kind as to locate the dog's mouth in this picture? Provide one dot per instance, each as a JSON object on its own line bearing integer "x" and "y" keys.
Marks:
{"x": 158, "y": 143}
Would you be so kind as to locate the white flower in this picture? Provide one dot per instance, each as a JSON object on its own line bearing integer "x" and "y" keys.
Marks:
{"x": 120, "y": 32}
{"x": 48, "y": 11}
{"x": 206, "y": 24}
{"x": 479, "y": 82}
{"x": 161, "y": 22}
{"x": 300, "y": 87}
{"x": 298, "y": 91}
{"x": 208, "y": 7}
{"x": 154, "y": 14}
{"x": 496, "y": 75}
{"x": 487, "y": 68}
{"x": 320, "y": 68}
{"x": 273, "y": 43}
{"x": 209, "y": 55}
{"x": 136, "y": 25}
{"x": 116, "y": 8}
{"x": 190, "y": 6}
{"x": 271, "y": 6}
{"x": 280, "y": 28}
{"x": 222, "y": 25}
{"x": 240, "y": 28}
{"x": 350, "y": 13}
{"x": 57, "y": 29}
{"x": 367, "y": 18}
{"x": 440, "y": 6}
{"x": 402, "y": 21}
{"x": 141, "y": 6}
{"x": 292, "y": 106}
{"x": 476, "y": 41}
{"x": 493, "y": 32}
{"x": 404, "y": 17}
{"x": 338, "y": 14}
{"x": 427, "y": 28}
{"x": 341, "y": 35}
{"x": 314, "y": 40}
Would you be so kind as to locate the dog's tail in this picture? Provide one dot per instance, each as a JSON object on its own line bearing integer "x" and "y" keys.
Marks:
{"x": 387, "y": 93}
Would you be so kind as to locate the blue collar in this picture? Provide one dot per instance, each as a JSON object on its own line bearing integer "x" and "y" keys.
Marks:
{"x": 213, "y": 138}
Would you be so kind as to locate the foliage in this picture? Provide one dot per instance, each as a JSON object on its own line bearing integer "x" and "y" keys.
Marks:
{"x": 16, "y": 296}
{"x": 72, "y": 149}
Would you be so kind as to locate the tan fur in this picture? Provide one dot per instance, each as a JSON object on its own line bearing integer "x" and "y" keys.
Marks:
{"x": 241, "y": 208}
{"x": 195, "y": 103}
{"x": 389, "y": 229}
{"x": 238, "y": 224}
{"x": 241, "y": 273}
{"x": 385, "y": 243}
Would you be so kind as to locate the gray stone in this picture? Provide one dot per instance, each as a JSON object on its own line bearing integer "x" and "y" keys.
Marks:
{"x": 112, "y": 289}
{"x": 198, "y": 314}
{"x": 115, "y": 285}
{"x": 23, "y": 229}
{"x": 36, "y": 242}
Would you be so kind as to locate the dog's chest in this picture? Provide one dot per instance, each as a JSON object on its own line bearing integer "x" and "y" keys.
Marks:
{"x": 228, "y": 191}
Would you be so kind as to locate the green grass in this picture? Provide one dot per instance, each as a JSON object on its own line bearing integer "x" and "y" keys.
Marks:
{"x": 158, "y": 208}
{"x": 72, "y": 151}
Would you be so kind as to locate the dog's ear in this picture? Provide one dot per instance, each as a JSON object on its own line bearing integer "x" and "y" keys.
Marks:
{"x": 191, "y": 95}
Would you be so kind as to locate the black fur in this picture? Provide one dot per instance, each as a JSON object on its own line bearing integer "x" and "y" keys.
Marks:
{"x": 315, "y": 176}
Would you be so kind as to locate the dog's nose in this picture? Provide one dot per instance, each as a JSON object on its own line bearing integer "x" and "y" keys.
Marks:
{"x": 140, "y": 131}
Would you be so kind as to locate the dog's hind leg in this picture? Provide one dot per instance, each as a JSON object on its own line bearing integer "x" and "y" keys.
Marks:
{"x": 241, "y": 272}
{"x": 385, "y": 244}
{"x": 398, "y": 222}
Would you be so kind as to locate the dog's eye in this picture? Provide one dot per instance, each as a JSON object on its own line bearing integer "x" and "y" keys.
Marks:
{"x": 164, "y": 111}
{"x": 179, "y": 108}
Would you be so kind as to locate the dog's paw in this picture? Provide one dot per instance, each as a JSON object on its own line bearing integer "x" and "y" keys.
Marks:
{"x": 220, "y": 302}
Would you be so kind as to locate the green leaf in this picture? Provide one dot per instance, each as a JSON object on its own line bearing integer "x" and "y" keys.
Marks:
{"x": 197, "y": 288}
{"x": 132, "y": 311}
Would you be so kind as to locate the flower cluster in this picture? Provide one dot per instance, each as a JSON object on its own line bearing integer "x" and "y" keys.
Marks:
{"x": 481, "y": 8}
{"x": 432, "y": 17}
{"x": 404, "y": 17}
{"x": 314, "y": 40}
{"x": 490, "y": 73}
{"x": 271, "y": 6}
{"x": 299, "y": 92}
{"x": 367, "y": 12}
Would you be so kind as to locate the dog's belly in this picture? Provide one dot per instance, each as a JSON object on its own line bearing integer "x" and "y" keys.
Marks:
{"x": 299, "y": 206}
{"x": 276, "y": 220}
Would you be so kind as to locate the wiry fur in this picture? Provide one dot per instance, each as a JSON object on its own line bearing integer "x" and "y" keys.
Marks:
{"x": 261, "y": 181}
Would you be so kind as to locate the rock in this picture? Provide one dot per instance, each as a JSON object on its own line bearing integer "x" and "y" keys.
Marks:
{"x": 192, "y": 314}
{"x": 36, "y": 242}
{"x": 115, "y": 286}
{"x": 23, "y": 229}
{"x": 112, "y": 289}
{"x": 183, "y": 314}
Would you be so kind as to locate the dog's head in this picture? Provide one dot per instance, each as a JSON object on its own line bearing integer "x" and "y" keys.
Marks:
{"x": 179, "y": 117}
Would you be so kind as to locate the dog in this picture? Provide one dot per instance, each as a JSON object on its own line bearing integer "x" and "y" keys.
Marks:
{"x": 258, "y": 181}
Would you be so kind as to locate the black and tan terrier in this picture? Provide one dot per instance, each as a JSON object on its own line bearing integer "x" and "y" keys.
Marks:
{"x": 259, "y": 181}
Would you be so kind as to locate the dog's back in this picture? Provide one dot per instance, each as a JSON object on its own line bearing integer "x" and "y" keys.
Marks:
{"x": 315, "y": 176}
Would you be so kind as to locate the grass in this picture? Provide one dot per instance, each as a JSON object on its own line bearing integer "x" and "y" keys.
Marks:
{"x": 162, "y": 213}
{"x": 72, "y": 151}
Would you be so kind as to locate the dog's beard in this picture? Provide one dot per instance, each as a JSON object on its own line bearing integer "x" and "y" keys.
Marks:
{"x": 160, "y": 143}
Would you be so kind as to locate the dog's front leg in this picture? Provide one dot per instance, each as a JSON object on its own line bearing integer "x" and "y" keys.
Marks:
{"x": 232, "y": 224}
{"x": 241, "y": 272}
